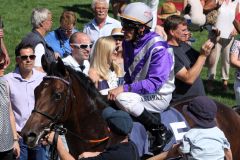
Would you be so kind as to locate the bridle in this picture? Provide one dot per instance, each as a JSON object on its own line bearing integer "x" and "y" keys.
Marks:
{"x": 61, "y": 113}
{"x": 55, "y": 119}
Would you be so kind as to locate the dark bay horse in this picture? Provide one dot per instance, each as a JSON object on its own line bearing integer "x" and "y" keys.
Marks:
{"x": 68, "y": 97}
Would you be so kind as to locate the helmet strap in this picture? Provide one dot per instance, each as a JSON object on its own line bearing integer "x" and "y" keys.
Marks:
{"x": 148, "y": 22}
{"x": 139, "y": 33}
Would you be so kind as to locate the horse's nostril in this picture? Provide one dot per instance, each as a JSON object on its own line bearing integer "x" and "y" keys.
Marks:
{"x": 30, "y": 139}
{"x": 32, "y": 135}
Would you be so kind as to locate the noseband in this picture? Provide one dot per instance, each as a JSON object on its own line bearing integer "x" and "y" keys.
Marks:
{"x": 60, "y": 114}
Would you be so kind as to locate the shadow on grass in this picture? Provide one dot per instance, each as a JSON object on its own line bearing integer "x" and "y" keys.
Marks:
{"x": 218, "y": 90}
{"x": 83, "y": 10}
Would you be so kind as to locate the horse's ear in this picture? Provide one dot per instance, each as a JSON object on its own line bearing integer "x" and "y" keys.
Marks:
{"x": 45, "y": 64}
{"x": 61, "y": 67}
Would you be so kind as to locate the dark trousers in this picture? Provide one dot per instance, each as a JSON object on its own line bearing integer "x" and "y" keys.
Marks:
{"x": 7, "y": 155}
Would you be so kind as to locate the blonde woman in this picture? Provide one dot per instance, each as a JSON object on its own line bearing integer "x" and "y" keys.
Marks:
{"x": 103, "y": 71}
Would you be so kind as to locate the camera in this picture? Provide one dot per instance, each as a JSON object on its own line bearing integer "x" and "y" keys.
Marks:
{"x": 214, "y": 34}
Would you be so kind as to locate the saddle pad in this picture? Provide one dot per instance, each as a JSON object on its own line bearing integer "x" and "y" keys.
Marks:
{"x": 172, "y": 119}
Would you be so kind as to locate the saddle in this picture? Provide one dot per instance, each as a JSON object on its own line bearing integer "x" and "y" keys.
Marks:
{"x": 172, "y": 119}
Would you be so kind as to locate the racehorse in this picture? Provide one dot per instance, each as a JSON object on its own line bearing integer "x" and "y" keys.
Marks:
{"x": 69, "y": 97}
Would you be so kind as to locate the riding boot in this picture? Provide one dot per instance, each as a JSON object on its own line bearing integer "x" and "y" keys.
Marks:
{"x": 153, "y": 124}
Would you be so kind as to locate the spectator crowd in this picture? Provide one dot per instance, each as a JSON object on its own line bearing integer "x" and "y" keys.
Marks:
{"x": 142, "y": 59}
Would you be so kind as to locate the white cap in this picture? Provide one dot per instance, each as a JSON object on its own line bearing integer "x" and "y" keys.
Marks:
{"x": 138, "y": 12}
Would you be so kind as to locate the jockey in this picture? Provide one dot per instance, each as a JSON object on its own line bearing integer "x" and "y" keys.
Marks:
{"x": 149, "y": 78}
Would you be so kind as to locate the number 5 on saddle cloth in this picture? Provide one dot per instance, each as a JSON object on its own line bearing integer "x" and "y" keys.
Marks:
{"x": 172, "y": 119}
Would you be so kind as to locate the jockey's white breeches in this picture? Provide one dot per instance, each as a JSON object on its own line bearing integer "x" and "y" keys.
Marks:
{"x": 134, "y": 103}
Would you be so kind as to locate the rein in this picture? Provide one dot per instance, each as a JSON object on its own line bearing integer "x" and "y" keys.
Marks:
{"x": 64, "y": 131}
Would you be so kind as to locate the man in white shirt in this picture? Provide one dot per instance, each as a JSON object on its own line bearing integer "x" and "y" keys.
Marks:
{"x": 102, "y": 24}
{"x": 81, "y": 45}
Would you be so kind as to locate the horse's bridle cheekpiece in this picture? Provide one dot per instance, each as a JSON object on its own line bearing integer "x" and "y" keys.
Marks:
{"x": 58, "y": 116}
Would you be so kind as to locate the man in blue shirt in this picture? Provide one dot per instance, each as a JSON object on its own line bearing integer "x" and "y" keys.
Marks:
{"x": 102, "y": 24}
{"x": 59, "y": 38}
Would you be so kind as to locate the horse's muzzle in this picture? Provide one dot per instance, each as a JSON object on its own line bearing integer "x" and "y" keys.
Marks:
{"x": 31, "y": 139}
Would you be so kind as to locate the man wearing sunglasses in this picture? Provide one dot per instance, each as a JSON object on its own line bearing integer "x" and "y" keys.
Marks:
{"x": 22, "y": 82}
{"x": 59, "y": 38}
{"x": 149, "y": 78}
{"x": 81, "y": 45}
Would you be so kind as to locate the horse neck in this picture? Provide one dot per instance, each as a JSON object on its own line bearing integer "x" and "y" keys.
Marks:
{"x": 84, "y": 119}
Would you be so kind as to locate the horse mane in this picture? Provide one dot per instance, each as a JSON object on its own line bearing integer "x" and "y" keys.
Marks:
{"x": 84, "y": 81}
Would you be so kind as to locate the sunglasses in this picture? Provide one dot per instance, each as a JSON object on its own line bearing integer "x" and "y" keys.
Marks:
{"x": 82, "y": 46}
{"x": 25, "y": 57}
{"x": 129, "y": 25}
{"x": 118, "y": 38}
{"x": 66, "y": 30}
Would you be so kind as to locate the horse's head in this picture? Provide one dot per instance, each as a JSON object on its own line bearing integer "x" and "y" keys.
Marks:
{"x": 67, "y": 97}
{"x": 52, "y": 103}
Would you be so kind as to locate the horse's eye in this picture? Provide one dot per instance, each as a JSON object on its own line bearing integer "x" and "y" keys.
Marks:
{"x": 57, "y": 96}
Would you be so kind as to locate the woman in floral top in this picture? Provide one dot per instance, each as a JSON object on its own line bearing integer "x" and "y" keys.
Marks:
{"x": 235, "y": 61}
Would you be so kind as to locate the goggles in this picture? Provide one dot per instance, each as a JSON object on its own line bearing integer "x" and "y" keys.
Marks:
{"x": 132, "y": 24}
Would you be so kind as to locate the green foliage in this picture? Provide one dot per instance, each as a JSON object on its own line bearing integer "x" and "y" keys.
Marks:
{"x": 16, "y": 15}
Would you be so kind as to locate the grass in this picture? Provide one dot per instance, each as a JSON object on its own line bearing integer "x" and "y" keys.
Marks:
{"x": 218, "y": 94}
{"x": 16, "y": 16}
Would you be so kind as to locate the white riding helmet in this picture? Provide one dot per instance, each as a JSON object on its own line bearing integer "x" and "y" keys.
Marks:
{"x": 138, "y": 12}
